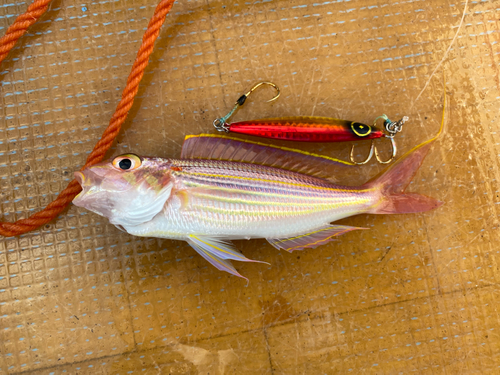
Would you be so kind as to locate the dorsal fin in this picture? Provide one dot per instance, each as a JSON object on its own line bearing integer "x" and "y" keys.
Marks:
{"x": 217, "y": 147}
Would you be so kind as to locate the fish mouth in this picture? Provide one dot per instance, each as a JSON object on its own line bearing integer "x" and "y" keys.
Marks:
{"x": 80, "y": 178}
{"x": 83, "y": 199}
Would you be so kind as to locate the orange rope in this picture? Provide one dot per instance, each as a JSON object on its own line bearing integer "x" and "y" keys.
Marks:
{"x": 118, "y": 118}
{"x": 20, "y": 25}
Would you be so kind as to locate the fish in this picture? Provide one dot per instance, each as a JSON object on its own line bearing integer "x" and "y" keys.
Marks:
{"x": 223, "y": 189}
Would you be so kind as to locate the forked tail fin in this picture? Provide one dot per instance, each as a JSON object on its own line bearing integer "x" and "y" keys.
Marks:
{"x": 393, "y": 181}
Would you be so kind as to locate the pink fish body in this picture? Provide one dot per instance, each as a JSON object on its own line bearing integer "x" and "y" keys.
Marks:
{"x": 206, "y": 199}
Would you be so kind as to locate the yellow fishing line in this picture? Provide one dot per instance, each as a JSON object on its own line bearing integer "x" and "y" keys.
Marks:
{"x": 440, "y": 128}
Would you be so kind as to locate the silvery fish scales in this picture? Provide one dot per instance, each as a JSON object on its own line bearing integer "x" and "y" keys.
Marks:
{"x": 208, "y": 198}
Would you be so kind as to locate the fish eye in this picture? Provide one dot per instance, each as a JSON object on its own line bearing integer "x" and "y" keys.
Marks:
{"x": 127, "y": 162}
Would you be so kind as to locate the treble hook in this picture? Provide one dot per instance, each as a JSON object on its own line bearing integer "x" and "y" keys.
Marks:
{"x": 394, "y": 151}
{"x": 370, "y": 155}
{"x": 392, "y": 128}
{"x": 221, "y": 123}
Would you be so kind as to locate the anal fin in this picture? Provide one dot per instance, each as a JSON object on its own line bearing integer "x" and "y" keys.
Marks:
{"x": 312, "y": 239}
{"x": 218, "y": 253}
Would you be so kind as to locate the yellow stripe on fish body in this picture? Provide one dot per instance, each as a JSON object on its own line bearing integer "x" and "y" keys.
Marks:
{"x": 308, "y": 186}
{"x": 268, "y": 181}
{"x": 256, "y": 202}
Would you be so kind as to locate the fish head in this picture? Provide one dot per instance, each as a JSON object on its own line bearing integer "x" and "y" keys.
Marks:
{"x": 129, "y": 190}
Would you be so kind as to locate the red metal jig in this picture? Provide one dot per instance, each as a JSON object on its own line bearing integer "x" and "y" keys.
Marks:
{"x": 312, "y": 129}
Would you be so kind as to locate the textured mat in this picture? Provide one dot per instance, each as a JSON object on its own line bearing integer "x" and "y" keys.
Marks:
{"x": 415, "y": 293}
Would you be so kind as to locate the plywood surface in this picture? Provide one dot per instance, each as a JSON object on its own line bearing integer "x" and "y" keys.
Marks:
{"x": 414, "y": 294}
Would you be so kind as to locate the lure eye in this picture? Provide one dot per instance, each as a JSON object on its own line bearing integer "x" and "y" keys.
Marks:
{"x": 361, "y": 130}
{"x": 127, "y": 162}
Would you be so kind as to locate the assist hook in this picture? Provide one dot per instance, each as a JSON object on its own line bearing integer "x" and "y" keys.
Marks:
{"x": 221, "y": 123}
{"x": 392, "y": 128}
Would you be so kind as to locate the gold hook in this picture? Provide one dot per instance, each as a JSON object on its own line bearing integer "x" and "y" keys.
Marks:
{"x": 221, "y": 123}
{"x": 370, "y": 155}
{"x": 392, "y": 128}
{"x": 278, "y": 93}
{"x": 394, "y": 151}
{"x": 374, "y": 150}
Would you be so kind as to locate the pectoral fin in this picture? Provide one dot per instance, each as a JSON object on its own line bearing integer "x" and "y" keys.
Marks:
{"x": 312, "y": 239}
{"x": 218, "y": 253}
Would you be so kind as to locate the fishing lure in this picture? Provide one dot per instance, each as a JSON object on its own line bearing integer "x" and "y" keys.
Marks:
{"x": 223, "y": 189}
{"x": 312, "y": 129}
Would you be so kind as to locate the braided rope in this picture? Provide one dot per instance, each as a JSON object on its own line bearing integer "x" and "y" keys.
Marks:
{"x": 20, "y": 25}
{"x": 118, "y": 118}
